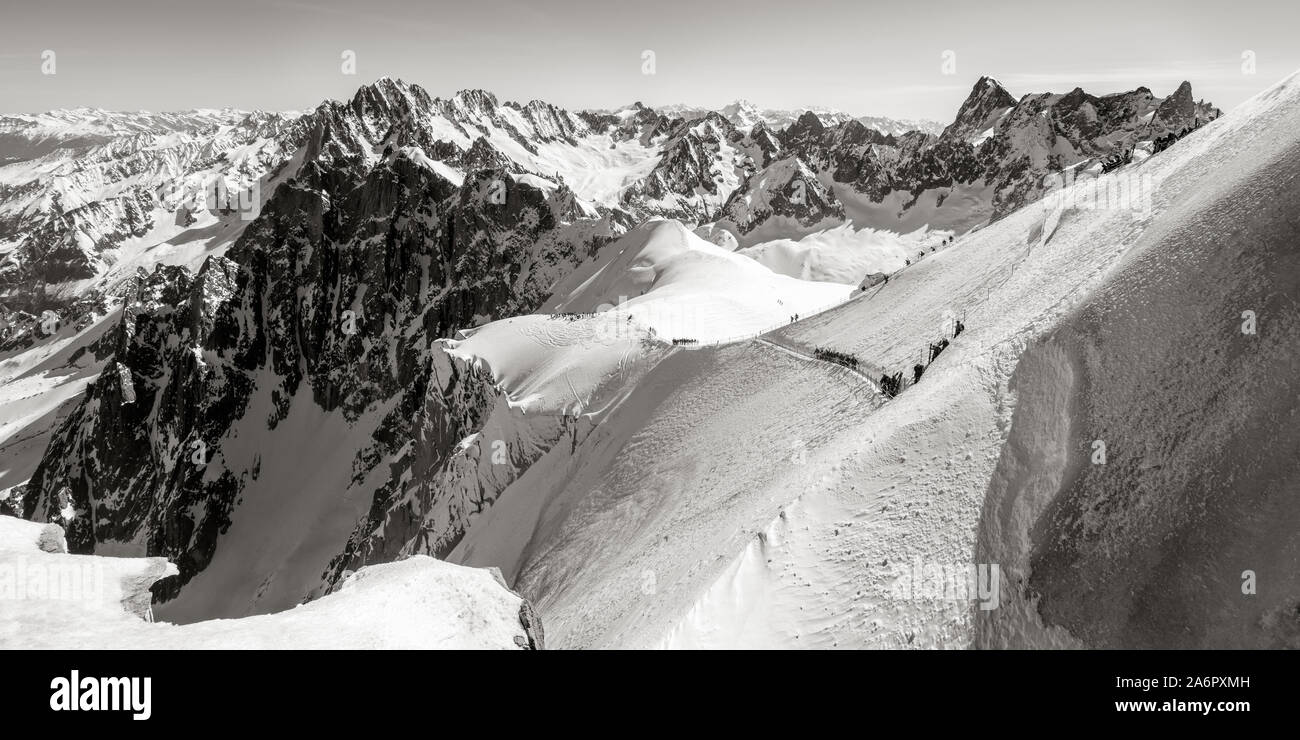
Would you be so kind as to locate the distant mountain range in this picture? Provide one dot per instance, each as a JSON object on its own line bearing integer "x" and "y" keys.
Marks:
{"x": 86, "y": 190}
{"x": 252, "y": 275}
{"x": 744, "y": 114}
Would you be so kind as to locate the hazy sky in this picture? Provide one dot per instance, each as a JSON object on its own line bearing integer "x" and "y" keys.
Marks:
{"x": 868, "y": 58}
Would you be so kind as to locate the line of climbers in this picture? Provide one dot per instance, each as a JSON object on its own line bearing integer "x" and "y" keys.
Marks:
{"x": 1116, "y": 161}
{"x": 1168, "y": 140}
{"x": 892, "y": 385}
{"x": 1159, "y": 144}
{"x": 839, "y": 358}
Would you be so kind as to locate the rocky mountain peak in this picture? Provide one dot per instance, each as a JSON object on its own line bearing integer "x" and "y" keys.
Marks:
{"x": 987, "y": 99}
{"x": 475, "y": 102}
{"x": 808, "y": 127}
{"x": 1176, "y": 113}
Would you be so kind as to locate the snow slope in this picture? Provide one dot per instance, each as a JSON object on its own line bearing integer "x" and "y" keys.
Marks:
{"x": 1184, "y": 364}
{"x": 53, "y": 600}
{"x": 292, "y": 517}
{"x": 680, "y": 285}
{"x": 676, "y": 479}
{"x": 617, "y": 314}
{"x": 745, "y": 497}
{"x": 842, "y": 254}
{"x": 955, "y": 209}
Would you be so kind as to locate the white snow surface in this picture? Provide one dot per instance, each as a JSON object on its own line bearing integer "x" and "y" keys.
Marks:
{"x": 843, "y": 254}
{"x": 620, "y": 311}
{"x": 53, "y": 600}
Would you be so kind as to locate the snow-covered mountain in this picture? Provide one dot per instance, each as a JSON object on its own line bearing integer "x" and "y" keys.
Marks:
{"x": 745, "y": 115}
{"x": 898, "y": 126}
{"x": 113, "y": 192}
{"x": 32, "y": 136}
{"x": 86, "y": 191}
{"x": 757, "y": 495}
{"x": 996, "y": 156}
{"x": 499, "y": 333}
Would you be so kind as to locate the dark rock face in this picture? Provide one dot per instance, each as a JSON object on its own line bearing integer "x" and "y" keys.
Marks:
{"x": 987, "y": 100}
{"x": 534, "y": 637}
{"x": 1179, "y": 113}
{"x": 116, "y": 456}
{"x": 791, "y": 190}
{"x": 339, "y": 289}
{"x": 701, "y": 162}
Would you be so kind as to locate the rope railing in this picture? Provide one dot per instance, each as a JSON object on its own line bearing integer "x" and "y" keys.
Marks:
{"x": 892, "y": 385}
